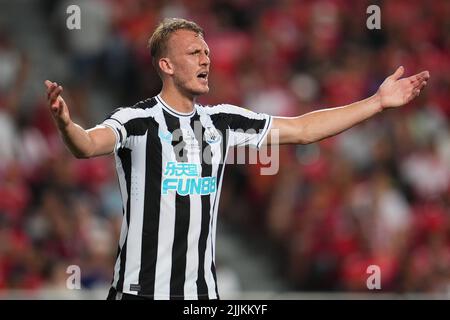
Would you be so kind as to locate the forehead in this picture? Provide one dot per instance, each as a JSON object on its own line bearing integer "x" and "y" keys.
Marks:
{"x": 184, "y": 39}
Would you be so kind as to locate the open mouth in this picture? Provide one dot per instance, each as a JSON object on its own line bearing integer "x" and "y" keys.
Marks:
{"x": 203, "y": 75}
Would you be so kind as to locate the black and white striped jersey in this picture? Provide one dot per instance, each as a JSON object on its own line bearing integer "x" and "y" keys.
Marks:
{"x": 170, "y": 167}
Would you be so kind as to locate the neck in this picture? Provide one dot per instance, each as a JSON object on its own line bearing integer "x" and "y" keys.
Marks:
{"x": 176, "y": 99}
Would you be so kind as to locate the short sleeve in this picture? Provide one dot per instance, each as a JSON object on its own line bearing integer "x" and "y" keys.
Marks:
{"x": 116, "y": 121}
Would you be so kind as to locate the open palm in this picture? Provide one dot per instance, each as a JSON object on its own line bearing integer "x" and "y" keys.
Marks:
{"x": 395, "y": 92}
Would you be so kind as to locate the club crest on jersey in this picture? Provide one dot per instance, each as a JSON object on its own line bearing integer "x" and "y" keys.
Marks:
{"x": 212, "y": 135}
{"x": 165, "y": 136}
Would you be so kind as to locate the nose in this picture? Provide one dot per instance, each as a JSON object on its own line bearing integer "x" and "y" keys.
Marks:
{"x": 204, "y": 60}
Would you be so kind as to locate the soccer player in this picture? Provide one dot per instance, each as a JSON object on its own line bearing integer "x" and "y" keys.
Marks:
{"x": 170, "y": 154}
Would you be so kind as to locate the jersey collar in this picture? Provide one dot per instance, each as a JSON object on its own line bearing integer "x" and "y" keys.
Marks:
{"x": 172, "y": 111}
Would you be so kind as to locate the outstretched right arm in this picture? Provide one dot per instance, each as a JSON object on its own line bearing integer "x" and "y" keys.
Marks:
{"x": 82, "y": 143}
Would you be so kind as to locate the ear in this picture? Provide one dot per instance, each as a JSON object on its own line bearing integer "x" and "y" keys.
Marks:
{"x": 166, "y": 66}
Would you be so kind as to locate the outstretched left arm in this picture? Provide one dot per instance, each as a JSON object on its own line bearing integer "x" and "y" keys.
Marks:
{"x": 317, "y": 125}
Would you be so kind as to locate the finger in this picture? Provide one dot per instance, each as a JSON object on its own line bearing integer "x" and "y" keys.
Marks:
{"x": 422, "y": 85}
{"x": 56, "y": 107}
{"x": 415, "y": 80}
{"x": 419, "y": 78}
{"x": 423, "y": 76}
{"x": 419, "y": 85}
{"x": 398, "y": 73}
{"x": 50, "y": 89}
{"x": 55, "y": 94}
{"x": 48, "y": 83}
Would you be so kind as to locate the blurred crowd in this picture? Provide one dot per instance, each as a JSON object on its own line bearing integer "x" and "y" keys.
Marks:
{"x": 377, "y": 194}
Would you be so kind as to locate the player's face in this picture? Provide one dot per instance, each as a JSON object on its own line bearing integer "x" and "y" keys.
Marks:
{"x": 189, "y": 57}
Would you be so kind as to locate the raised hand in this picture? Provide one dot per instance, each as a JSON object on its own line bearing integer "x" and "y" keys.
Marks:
{"x": 395, "y": 92}
{"x": 57, "y": 105}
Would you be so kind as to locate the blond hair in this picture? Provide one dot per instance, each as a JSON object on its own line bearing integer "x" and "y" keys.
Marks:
{"x": 158, "y": 40}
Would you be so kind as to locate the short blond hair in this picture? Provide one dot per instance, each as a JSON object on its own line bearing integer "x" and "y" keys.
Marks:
{"x": 158, "y": 40}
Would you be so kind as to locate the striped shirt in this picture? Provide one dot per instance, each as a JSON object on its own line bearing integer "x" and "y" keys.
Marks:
{"x": 170, "y": 167}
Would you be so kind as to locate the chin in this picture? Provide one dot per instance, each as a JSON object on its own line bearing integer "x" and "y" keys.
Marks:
{"x": 205, "y": 90}
{"x": 199, "y": 92}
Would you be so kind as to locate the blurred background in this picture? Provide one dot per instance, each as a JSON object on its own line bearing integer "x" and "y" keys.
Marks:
{"x": 377, "y": 194}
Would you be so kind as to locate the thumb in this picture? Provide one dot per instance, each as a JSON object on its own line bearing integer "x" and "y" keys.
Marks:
{"x": 398, "y": 73}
